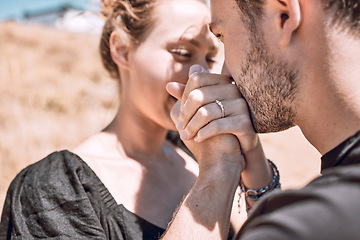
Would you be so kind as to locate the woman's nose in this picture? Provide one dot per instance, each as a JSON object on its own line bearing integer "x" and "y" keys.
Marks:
{"x": 204, "y": 64}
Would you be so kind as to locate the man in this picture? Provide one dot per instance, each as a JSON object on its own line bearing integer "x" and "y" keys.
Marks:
{"x": 296, "y": 62}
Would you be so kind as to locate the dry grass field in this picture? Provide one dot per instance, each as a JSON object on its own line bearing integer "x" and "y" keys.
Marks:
{"x": 54, "y": 93}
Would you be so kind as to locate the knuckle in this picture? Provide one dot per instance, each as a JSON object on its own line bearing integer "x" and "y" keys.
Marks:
{"x": 196, "y": 96}
{"x": 203, "y": 112}
{"x": 215, "y": 126}
{"x": 189, "y": 130}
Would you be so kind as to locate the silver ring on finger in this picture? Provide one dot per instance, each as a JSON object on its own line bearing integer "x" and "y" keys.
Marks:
{"x": 221, "y": 106}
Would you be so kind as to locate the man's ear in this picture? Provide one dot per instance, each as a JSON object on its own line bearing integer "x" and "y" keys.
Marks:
{"x": 289, "y": 20}
{"x": 119, "y": 49}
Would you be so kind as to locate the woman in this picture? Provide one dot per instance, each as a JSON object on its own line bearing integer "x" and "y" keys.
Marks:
{"x": 126, "y": 181}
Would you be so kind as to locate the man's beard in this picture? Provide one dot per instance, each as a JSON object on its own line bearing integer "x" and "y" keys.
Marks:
{"x": 269, "y": 87}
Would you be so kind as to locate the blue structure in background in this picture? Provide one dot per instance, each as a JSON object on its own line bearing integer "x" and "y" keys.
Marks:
{"x": 73, "y": 15}
{"x": 43, "y": 11}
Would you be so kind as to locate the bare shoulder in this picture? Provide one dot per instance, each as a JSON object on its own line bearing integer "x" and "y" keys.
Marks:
{"x": 98, "y": 145}
{"x": 100, "y": 152}
{"x": 120, "y": 176}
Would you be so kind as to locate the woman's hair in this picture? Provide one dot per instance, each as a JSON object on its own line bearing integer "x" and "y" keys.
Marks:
{"x": 133, "y": 17}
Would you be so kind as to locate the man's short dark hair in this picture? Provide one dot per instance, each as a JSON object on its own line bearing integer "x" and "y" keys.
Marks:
{"x": 345, "y": 13}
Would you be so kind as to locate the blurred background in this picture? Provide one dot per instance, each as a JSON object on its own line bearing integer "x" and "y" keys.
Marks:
{"x": 54, "y": 92}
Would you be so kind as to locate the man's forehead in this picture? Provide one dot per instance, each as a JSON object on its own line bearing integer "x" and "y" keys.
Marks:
{"x": 220, "y": 9}
{"x": 216, "y": 11}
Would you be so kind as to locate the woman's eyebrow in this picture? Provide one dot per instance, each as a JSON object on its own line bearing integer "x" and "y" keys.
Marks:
{"x": 191, "y": 40}
{"x": 194, "y": 42}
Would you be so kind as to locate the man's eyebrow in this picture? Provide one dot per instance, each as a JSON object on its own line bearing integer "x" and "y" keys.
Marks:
{"x": 211, "y": 26}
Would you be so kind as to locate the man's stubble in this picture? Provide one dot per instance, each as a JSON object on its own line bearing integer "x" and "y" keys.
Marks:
{"x": 269, "y": 86}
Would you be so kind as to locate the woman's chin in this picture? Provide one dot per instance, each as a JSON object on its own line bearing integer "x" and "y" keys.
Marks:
{"x": 172, "y": 127}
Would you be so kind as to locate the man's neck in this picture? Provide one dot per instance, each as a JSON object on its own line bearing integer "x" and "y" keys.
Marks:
{"x": 344, "y": 55}
{"x": 333, "y": 109}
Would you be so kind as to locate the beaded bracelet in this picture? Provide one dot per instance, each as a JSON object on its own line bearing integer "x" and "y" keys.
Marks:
{"x": 257, "y": 194}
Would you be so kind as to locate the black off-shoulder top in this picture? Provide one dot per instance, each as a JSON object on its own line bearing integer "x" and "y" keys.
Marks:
{"x": 60, "y": 197}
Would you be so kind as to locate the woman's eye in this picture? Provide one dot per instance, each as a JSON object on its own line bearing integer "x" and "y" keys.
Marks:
{"x": 181, "y": 53}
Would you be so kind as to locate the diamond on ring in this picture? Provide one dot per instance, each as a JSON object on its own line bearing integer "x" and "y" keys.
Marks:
{"x": 221, "y": 106}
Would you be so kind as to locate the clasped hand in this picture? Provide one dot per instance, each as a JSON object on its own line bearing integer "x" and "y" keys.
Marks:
{"x": 209, "y": 132}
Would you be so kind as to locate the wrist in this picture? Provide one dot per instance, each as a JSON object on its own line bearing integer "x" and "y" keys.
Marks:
{"x": 256, "y": 153}
{"x": 223, "y": 163}
{"x": 257, "y": 172}
{"x": 226, "y": 171}
{"x": 256, "y": 194}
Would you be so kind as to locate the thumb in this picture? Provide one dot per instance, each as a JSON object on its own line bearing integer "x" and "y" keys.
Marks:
{"x": 175, "y": 89}
{"x": 196, "y": 68}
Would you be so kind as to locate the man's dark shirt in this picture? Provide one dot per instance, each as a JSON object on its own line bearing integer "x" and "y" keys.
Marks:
{"x": 327, "y": 208}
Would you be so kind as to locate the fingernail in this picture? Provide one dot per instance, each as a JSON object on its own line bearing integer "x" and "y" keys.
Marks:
{"x": 196, "y": 68}
{"x": 179, "y": 125}
{"x": 197, "y": 139}
{"x": 183, "y": 136}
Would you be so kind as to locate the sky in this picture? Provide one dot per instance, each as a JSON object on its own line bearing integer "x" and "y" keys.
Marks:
{"x": 14, "y": 9}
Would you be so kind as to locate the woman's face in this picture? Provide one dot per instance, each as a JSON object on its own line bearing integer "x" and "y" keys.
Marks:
{"x": 178, "y": 39}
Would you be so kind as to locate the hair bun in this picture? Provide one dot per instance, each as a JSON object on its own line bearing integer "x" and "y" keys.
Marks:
{"x": 108, "y": 6}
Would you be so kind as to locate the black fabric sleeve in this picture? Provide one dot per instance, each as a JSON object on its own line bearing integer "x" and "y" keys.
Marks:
{"x": 328, "y": 208}
{"x": 55, "y": 198}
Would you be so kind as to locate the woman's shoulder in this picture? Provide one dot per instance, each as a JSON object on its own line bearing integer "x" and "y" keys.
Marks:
{"x": 99, "y": 145}
{"x": 53, "y": 170}
{"x": 60, "y": 188}
{"x": 60, "y": 179}
{"x": 58, "y": 158}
